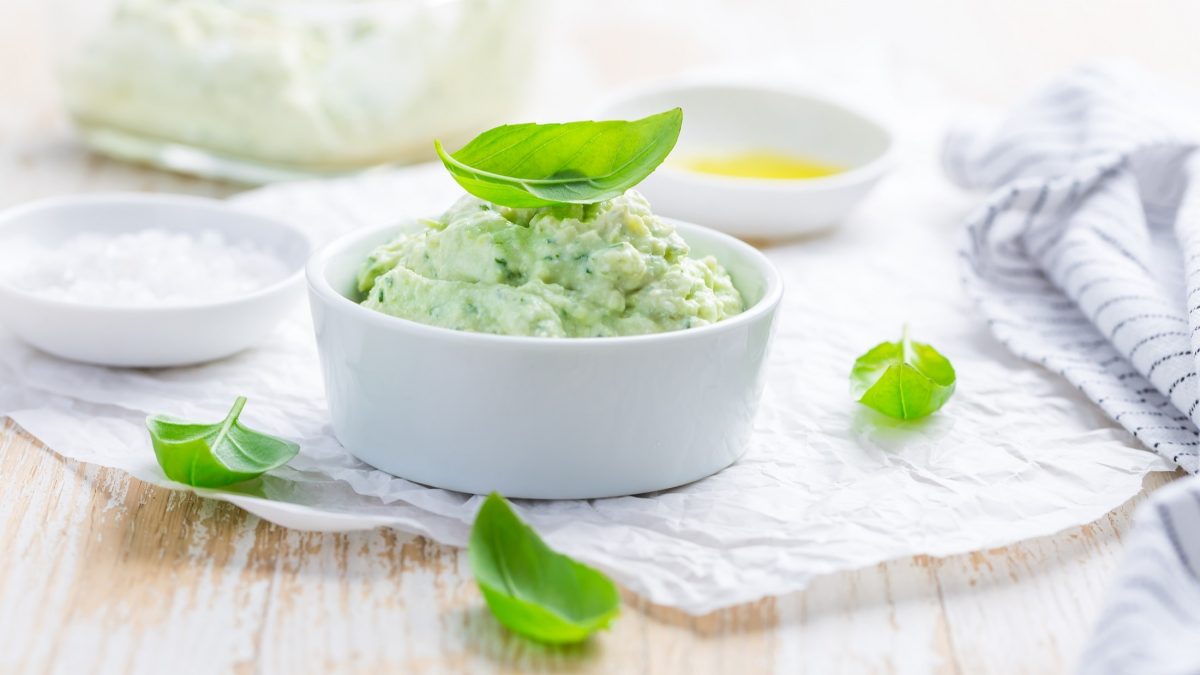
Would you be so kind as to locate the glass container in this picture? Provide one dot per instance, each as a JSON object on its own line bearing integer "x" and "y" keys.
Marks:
{"x": 262, "y": 90}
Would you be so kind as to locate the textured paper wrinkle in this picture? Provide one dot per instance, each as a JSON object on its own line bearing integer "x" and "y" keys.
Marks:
{"x": 825, "y": 485}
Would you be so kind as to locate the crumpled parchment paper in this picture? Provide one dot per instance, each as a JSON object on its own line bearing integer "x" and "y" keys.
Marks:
{"x": 825, "y": 486}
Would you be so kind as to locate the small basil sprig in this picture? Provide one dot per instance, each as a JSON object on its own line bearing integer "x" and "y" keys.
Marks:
{"x": 906, "y": 380}
{"x": 532, "y": 589}
{"x": 215, "y": 455}
{"x": 531, "y": 165}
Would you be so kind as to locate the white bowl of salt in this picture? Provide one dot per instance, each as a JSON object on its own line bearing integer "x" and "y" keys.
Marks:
{"x": 143, "y": 280}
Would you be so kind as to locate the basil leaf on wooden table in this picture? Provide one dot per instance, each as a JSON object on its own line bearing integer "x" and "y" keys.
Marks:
{"x": 906, "y": 380}
{"x": 531, "y": 165}
{"x": 532, "y": 589}
{"x": 215, "y": 455}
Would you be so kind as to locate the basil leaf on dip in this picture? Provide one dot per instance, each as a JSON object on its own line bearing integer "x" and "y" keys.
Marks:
{"x": 532, "y": 165}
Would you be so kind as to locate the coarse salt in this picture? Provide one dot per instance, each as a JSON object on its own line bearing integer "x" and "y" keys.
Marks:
{"x": 143, "y": 268}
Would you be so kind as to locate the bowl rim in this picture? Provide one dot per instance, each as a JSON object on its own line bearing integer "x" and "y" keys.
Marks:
{"x": 320, "y": 287}
{"x": 858, "y": 175}
{"x": 14, "y": 214}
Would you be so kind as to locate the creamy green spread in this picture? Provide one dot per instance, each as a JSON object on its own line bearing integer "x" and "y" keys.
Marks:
{"x": 595, "y": 270}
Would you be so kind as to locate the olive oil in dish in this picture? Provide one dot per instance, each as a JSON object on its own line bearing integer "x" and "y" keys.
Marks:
{"x": 760, "y": 164}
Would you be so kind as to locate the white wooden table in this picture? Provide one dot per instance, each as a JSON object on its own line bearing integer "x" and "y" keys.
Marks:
{"x": 102, "y": 573}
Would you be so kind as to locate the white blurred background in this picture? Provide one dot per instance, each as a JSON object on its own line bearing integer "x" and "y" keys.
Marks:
{"x": 981, "y": 51}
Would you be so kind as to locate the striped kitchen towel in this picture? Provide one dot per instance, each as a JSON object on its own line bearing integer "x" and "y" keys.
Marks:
{"x": 1085, "y": 257}
{"x": 1151, "y": 619}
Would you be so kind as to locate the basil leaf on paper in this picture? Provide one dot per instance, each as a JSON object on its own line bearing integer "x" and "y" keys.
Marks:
{"x": 906, "y": 380}
{"x": 531, "y": 165}
{"x": 532, "y": 589}
{"x": 215, "y": 455}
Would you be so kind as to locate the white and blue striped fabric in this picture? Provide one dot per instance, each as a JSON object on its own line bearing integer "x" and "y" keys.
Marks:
{"x": 1085, "y": 258}
{"x": 1151, "y": 620}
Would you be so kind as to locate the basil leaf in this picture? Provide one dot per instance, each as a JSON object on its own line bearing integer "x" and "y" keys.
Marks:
{"x": 532, "y": 589}
{"x": 215, "y": 455}
{"x": 531, "y": 165}
{"x": 906, "y": 380}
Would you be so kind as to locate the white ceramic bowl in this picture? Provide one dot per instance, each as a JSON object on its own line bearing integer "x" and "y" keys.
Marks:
{"x": 725, "y": 118}
{"x": 148, "y": 336}
{"x": 548, "y": 418}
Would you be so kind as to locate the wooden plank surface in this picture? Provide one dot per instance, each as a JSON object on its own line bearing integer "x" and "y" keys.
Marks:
{"x": 101, "y": 573}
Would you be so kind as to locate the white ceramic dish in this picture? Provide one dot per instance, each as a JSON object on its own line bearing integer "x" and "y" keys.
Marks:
{"x": 725, "y": 118}
{"x": 148, "y": 336}
{"x": 569, "y": 418}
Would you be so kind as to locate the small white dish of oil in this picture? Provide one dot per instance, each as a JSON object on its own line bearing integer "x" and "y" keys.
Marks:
{"x": 760, "y": 162}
